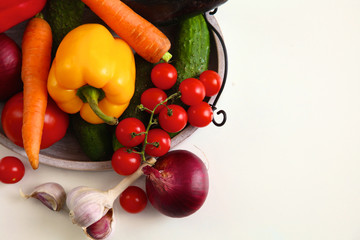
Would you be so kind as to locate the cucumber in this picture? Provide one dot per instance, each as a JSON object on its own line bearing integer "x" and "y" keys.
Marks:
{"x": 192, "y": 49}
{"x": 95, "y": 139}
{"x": 63, "y": 16}
{"x": 142, "y": 82}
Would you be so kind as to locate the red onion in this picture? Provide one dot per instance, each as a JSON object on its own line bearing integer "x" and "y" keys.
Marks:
{"x": 10, "y": 67}
{"x": 177, "y": 185}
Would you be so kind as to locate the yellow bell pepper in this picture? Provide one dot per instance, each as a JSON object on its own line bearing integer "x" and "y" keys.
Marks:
{"x": 93, "y": 73}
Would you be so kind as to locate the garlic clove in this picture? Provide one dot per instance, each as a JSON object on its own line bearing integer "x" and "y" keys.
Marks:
{"x": 51, "y": 194}
{"x": 102, "y": 228}
{"x": 87, "y": 205}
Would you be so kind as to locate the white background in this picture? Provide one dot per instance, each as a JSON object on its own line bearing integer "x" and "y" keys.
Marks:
{"x": 286, "y": 164}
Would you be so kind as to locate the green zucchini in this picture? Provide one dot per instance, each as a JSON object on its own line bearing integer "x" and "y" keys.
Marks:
{"x": 95, "y": 139}
{"x": 192, "y": 49}
{"x": 63, "y": 16}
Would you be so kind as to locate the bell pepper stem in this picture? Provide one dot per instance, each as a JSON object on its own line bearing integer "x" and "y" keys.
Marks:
{"x": 92, "y": 96}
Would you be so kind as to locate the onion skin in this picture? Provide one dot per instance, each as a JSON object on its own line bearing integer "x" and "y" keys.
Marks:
{"x": 178, "y": 184}
{"x": 10, "y": 67}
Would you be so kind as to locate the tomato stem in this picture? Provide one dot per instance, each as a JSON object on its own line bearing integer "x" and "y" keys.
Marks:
{"x": 169, "y": 111}
{"x": 131, "y": 150}
{"x": 143, "y": 108}
{"x": 153, "y": 121}
{"x": 134, "y": 134}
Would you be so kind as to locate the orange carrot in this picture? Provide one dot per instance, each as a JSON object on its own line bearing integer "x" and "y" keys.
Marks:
{"x": 147, "y": 40}
{"x": 36, "y": 58}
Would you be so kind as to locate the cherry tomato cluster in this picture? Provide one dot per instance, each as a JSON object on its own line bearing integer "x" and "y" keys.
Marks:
{"x": 173, "y": 118}
{"x": 169, "y": 118}
{"x": 154, "y": 139}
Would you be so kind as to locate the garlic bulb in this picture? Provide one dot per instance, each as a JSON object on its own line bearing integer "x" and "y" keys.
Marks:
{"x": 50, "y": 194}
{"x": 92, "y": 209}
{"x": 87, "y": 205}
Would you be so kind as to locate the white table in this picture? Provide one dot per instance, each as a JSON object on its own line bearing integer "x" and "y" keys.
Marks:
{"x": 286, "y": 164}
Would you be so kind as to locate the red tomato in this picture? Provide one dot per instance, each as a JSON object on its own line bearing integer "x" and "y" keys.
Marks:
{"x": 173, "y": 118}
{"x": 212, "y": 82}
{"x": 129, "y": 132}
{"x": 200, "y": 115}
{"x": 133, "y": 199}
{"x": 125, "y": 162}
{"x": 12, "y": 170}
{"x": 152, "y": 97}
{"x": 164, "y": 75}
{"x": 159, "y": 142}
{"x": 192, "y": 91}
{"x": 56, "y": 122}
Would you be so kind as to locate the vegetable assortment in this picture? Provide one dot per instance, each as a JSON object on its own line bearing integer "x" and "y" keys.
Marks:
{"x": 124, "y": 100}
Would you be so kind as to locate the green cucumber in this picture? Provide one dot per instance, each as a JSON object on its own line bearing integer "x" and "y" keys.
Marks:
{"x": 63, "y": 16}
{"x": 192, "y": 49}
{"x": 142, "y": 82}
{"x": 95, "y": 139}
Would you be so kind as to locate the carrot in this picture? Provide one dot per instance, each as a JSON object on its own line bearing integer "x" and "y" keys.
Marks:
{"x": 147, "y": 40}
{"x": 36, "y": 58}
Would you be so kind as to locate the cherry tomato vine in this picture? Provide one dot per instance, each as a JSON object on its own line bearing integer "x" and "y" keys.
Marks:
{"x": 155, "y": 141}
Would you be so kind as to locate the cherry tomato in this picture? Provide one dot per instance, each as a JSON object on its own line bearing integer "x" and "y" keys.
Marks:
{"x": 56, "y": 122}
{"x": 173, "y": 118}
{"x": 133, "y": 199}
{"x": 164, "y": 75}
{"x": 200, "y": 115}
{"x": 152, "y": 97}
{"x": 12, "y": 170}
{"x": 212, "y": 82}
{"x": 125, "y": 162}
{"x": 159, "y": 142}
{"x": 128, "y": 132}
{"x": 192, "y": 91}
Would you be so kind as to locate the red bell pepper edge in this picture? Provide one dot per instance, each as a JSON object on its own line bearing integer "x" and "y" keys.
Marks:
{"x": 13, "y": 12}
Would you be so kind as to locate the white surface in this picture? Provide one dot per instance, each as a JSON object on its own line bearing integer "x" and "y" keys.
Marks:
{"x": 286, "y": 164}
